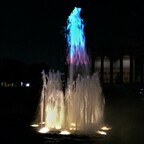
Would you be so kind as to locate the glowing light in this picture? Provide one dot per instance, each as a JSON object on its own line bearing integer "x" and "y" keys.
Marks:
{"x": 52, "y": 102}
{"x": 22, "y": 84}
{"x": 76, "y": 38}
{"x": 27, "y": 85}
{"x": 42, "y": 123}
{"x": 44, "y": 130}
{"x": 34, "y": 125}
{"x": 101, "y": 132}
{"x": 73, "y": 124}
{"x": 105, "y": 128}
{"x": 55, "y": 113}
{"x": 72, "y": 129}
{"x": 64, "y": 132}
{"x": 58, "y": 127}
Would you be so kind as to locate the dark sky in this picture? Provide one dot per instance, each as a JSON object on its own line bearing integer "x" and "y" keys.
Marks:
{"x": 32, "y": 31}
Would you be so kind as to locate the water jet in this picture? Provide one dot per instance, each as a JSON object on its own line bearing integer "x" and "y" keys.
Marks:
{"x": 81, "y": 107}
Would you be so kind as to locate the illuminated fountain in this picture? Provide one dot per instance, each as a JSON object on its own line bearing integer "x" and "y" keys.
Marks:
{"x": 81, "y": 107}
{"x": 77, "y": 58}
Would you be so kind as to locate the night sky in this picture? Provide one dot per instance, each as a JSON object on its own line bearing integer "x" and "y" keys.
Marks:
{"x": 32, "y": 31}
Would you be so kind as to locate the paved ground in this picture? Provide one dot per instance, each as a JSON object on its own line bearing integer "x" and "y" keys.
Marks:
{"x": 126, "y": 117}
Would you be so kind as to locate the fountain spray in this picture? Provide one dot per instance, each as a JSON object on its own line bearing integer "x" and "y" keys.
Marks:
{"x": 81, "y": 108}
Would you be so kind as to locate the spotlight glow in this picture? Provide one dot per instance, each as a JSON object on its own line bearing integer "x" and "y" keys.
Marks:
{"x": 34, "y": 125}
{"x": 44, "y": 130}
{"x": 105, "y": 128}
{"x": 101, "y": 132}
{"x": 73, "y": 126}
{"x": 64, "y": 132}
{"x": 58, "y": 127}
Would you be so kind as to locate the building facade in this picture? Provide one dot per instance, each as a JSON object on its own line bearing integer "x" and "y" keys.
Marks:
{"x": 125, "y": 66}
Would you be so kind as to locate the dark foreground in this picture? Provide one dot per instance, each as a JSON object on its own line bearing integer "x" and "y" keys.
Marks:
{"x": 125, "y": 116}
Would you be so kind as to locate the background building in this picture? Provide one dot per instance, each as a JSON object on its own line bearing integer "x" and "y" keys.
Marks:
{"x": 121, "y": 66}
